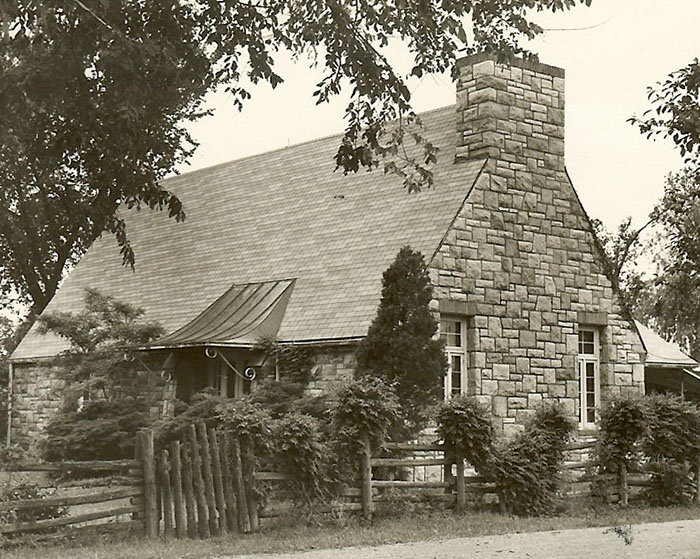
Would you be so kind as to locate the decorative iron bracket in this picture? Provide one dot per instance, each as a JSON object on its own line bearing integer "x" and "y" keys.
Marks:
{"x": 164, "y": 374}
{"x": 248, "y": 374}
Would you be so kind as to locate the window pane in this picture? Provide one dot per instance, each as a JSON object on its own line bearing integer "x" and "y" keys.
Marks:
{"x": 586, "y": 342}
{"x": 456, "y": 372}
{"x": 590, "y": 414}
{"x": 451, "y": 332}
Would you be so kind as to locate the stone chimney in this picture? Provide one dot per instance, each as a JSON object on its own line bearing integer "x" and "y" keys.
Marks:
{"x": 513, "y": 112}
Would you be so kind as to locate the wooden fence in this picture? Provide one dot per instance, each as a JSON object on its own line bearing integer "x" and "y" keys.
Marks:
{"x": 453, "y": 482}
{"x": 205, "y": 485}
{"x": 117, "y": 482}
{"x": 199, "y": 487}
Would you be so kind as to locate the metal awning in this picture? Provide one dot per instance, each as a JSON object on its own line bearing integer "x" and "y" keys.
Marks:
{"x": 244, "y": 314}
{"x": 661, "y": 353}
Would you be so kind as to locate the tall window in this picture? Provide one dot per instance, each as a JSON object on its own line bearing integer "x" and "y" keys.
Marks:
{"x": 588, "y": 375}
{"x": 454, "y": 332}
{"x": 224, "y": 381}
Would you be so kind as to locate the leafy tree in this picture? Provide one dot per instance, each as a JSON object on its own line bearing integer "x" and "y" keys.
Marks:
{"x": 95, "y": 371}
{"x": 94, "y": 365}
{"x": 674, "y": 301}
{"x": 400, "y": 345}
{"x": 675, "y": 112}
{"x": 94, "y": 96}
{"x": 622, "y": 249}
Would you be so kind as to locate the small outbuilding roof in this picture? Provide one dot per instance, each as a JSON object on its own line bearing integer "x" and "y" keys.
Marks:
{"x": 280, "y": 215}
{"x": 661, "y": 353}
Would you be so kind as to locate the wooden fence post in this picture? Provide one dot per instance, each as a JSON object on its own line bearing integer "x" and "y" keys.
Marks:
{"x": 460, "y": 480}
{"x": 188, "y": 484}
{"x": 166, "y": 494}
{"x": 202, "y": 509}
{"x": 239, "y": 485}
{"x": 180, "y": 531}
{"x": 366, "y": 473}
{"x": 149, "y": 483}
{"x": 229, "y": 491}
{"x": 208, "y": 478}
{"x": 624, "y": 488}
{"x": 218, "y": 480}
{"x": 248, "y": 461}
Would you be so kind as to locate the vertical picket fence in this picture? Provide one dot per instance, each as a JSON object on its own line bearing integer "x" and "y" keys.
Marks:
{"x": 199, "y": 487}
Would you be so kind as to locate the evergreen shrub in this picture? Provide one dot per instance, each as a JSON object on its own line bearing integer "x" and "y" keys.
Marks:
{"x": 672, "y": 447}
{"x": 400, "y": 346}
{"x": 623, "y": 425}
{"x": 527, "y": 468}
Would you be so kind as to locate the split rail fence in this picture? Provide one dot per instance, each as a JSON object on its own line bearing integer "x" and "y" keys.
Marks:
{"x": 114, "y": 490}
{"x": 205, "y": 485}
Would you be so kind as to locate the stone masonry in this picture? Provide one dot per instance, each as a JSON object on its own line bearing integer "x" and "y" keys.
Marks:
{"x": 37, "y": 396}
{"x": 520, "y": 260}
{"x": 519, "y": 263}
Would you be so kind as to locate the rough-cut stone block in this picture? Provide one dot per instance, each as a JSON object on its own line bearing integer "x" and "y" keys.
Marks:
{"x": 501, "y": 371}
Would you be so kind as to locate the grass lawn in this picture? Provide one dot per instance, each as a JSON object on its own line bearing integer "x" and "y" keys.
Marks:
{"x": 300, "y": 534}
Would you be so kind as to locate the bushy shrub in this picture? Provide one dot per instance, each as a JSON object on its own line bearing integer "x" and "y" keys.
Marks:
{"x": 203, "y": 407}
{"x": 672, "y": 446}
{"x": 526, "y": 469}
{"x": 302, "y": 453}
{"x": 670, "y": 483}
{"x": 465, "y": 424}
{"x": 673, "y": 430}
{"x": 366, "y": 406}
{"x": 247, "y": 420}
{"x": 99, "y": 431}
{"x": 623, "y": 424}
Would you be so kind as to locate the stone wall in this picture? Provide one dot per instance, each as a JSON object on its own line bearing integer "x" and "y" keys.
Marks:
{"x": 520, "y": 256}
{"x": 37, "y": 396}
{"x": 332, "y": 365}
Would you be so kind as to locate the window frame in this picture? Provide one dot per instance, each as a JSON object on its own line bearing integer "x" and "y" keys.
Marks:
{"x": 454, "y": 351}
{"x": 582, "y": 361}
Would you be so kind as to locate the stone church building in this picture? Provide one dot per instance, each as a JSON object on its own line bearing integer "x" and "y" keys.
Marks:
{"x": 279, "y": 245}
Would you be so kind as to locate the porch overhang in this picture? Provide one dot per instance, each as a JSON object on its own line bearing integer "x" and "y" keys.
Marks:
{"x": 242, "y": 316}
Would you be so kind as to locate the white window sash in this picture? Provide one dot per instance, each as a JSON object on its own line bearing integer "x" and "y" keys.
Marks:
{"x": 582, "y": 361}
{"x": 460, "y": 351}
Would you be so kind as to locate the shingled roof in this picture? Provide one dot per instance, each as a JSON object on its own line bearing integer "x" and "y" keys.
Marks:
{"x": 282, "y": 215}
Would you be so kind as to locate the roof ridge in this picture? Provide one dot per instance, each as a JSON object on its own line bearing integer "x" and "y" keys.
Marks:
{"x": 213, "y": 166}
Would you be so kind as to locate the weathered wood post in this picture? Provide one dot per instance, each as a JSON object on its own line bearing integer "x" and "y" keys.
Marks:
{"x": 239, "y": 485}
{"x": 218, "y": 479}
{"x": 200, "y": 492}
{"x": 178, "y": 502}
{"x": 248, "y": 463}
{"x": 459, "y": 457}
{"x": 366, "y": 475}
{"x": 166, "y": 495}
{"x": 208, "y": 476}
{"x": 188, "y": 485}
{"x": 147, "y": 453}
{"x": 229, "y": 489}
{"x": 624, "y": 488}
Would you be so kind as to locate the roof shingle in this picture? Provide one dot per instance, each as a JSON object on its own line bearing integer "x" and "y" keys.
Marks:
{"x": 278, "y": 215}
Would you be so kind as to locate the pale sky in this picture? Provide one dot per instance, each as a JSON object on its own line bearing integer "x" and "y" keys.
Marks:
{"x": 611, "y": 52}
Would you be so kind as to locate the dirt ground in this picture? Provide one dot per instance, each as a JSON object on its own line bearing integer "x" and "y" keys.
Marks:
{"x": 679, "y": 539}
